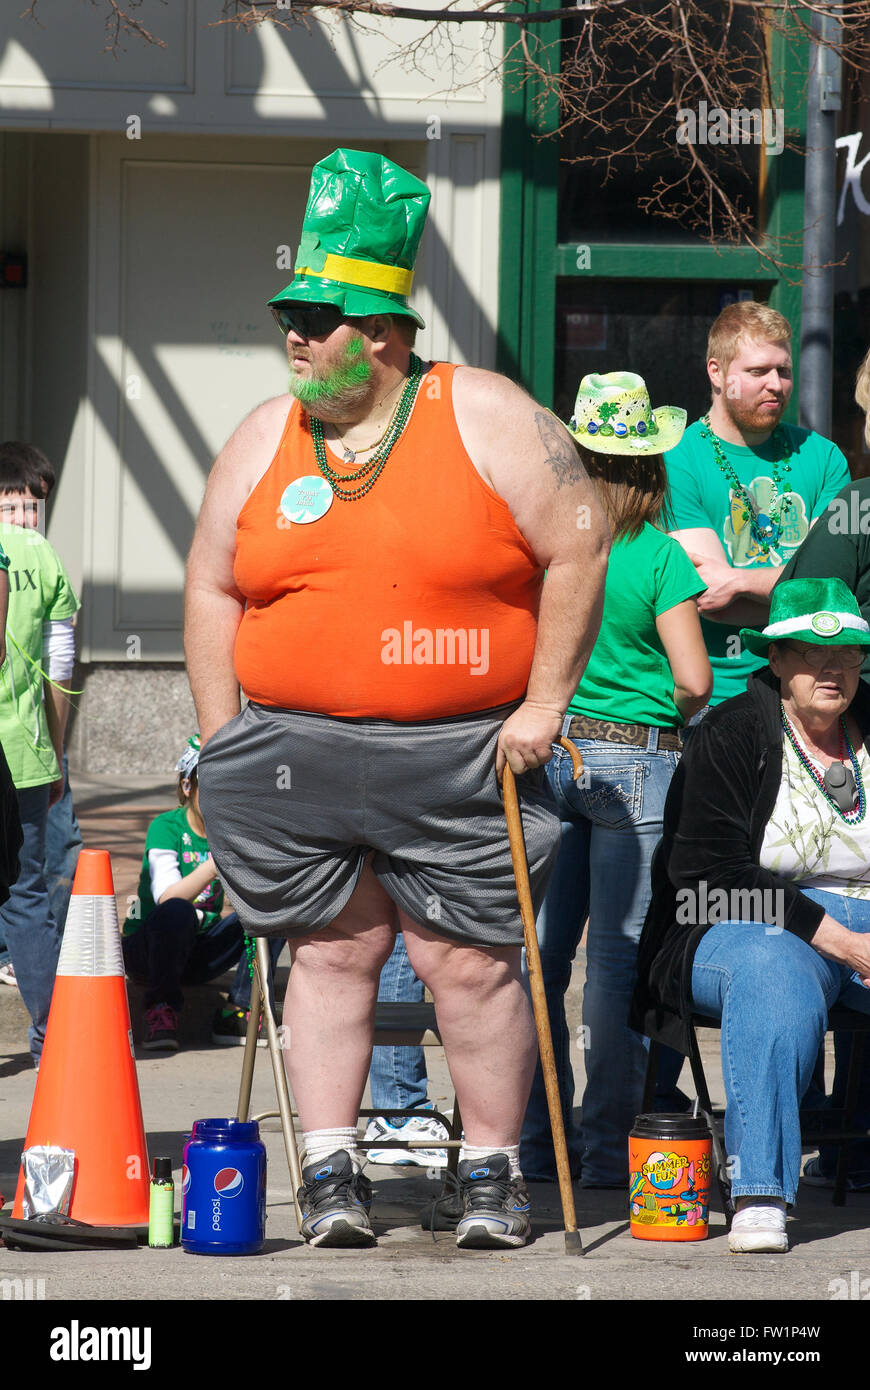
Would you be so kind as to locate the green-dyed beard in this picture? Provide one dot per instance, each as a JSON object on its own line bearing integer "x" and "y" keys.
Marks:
{"x": 346, "y": 384}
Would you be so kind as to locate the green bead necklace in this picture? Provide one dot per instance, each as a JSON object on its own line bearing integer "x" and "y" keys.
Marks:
{"x": 371, "y": 470}
{"x": 766, "y": 529}
{"x": 856, "y": 814}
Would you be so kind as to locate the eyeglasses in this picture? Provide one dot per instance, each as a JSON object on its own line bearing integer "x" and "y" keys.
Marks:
{"x": 16, "y": 509}
{"x": 308, "y": 320}
{"x": 817, "y": 658}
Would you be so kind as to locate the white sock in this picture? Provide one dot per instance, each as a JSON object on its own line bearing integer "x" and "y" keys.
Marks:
{"x": 759, "y": 1201}
{"x": 318, "y": 1144}
{"x": 476, "y": 1153}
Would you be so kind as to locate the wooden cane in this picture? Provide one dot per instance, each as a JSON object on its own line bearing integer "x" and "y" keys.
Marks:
{"x": 573, "y": 1243}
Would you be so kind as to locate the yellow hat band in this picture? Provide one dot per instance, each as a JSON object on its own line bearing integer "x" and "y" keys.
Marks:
{"x": 368, "y": 274}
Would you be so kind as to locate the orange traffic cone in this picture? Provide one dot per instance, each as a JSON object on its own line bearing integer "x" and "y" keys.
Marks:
{"x": 87, "y": 1092}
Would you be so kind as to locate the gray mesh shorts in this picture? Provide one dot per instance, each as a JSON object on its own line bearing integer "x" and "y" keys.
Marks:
{"x": 293, "y": 803}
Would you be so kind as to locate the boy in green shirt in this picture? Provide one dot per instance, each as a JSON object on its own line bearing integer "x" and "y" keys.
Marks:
{"x": 31, "y": 733}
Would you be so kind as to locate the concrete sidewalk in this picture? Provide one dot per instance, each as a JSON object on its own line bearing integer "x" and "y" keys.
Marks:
{"x": 828, "y": 1244}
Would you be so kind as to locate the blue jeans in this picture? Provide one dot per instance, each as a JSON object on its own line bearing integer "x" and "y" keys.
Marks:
{"x": 772, "y": 992}
{"x": 397, "y": 1078}
{"x": 26, "y": 921}
{"x": 63, "y": 841}
{"x": 168, "y": 950}
{"x": 611, "y": 823}
{"x": 240, "y": 990}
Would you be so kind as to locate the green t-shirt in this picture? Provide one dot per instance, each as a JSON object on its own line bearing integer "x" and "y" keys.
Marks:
{"x": 172, "y": 831}
{"x": 701, "y": 497}
{"x": 838, "y": 547}
{"x": 39, "y": 590}
{"x": 628, "y": 677}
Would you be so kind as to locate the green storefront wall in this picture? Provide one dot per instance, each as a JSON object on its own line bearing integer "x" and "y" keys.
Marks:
{"x": 532, "y": 260}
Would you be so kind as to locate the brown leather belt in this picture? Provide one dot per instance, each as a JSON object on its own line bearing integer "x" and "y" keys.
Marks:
{"x": 636, "y": 735}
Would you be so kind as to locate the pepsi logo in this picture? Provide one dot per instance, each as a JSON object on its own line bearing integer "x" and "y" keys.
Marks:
{"x": 185, "y": 1178}
{"x": 228, "y": 1182}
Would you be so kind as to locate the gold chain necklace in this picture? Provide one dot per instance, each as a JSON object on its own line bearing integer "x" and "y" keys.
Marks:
{"x": 350, "y": 455}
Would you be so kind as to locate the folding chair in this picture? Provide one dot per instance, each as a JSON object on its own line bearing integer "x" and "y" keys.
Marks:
{"x": 833, "y": 1126}
{"x": 396, "y": 1025}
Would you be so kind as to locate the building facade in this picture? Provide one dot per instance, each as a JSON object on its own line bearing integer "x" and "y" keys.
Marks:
{"x": 590, "y": 284}
{"x": 150, "y": 203}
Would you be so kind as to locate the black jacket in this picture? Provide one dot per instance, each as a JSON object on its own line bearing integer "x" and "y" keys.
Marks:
{"x": 718, "y": 804}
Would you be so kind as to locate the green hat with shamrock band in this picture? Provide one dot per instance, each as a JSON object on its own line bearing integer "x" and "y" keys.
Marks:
{"x": 823, "y": 612}
{"x": 612, "y": 415}
{"x": 363, "y": 222}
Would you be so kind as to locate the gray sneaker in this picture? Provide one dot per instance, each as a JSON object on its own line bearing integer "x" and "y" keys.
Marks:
{"x": 816, "y": 1177}
{"x": 495, "y": 1207}
{"x": 335, "y": 1201}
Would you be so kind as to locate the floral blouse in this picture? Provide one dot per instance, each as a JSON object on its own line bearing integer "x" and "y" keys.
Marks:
{"x": 807, "y": 841}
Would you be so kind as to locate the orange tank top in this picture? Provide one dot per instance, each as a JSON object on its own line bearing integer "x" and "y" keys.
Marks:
{"x": 418, "y": 601}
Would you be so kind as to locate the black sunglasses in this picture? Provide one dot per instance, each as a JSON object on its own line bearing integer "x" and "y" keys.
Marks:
{"x": 308, "y": 320}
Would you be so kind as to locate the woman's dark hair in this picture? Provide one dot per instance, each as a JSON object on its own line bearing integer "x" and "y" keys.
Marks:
{"x": 632, "y": 489}
{"x": 184, "y": 800}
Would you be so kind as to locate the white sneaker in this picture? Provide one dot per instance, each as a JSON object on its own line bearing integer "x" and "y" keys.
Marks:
{"x": 7, "y": 975}
{"x": 759, "y": 1229}
{"x": 424, "y": 1127}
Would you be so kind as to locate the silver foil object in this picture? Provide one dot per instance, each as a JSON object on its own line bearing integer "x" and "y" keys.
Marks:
{"x": 48, "y": 1180}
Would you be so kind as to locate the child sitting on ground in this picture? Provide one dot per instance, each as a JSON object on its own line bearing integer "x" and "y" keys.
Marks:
{"x": 175, "y": 934}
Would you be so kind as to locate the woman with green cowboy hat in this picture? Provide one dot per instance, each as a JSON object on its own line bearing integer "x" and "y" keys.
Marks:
{"x": 760, "y": 912}
{"x": 648, "y": 674}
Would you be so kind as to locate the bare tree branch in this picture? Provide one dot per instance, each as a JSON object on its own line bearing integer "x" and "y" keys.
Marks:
{"x": 612, "y": 88}
{"x": 119, "y": 23}
{"x": 258, "y": 11}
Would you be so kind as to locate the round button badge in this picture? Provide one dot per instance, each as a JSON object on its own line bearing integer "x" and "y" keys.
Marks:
{"x": 307, "y": 499}
{"x": 826, "y": 624}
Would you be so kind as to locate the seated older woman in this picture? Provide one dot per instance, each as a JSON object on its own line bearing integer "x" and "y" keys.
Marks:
{"x": 761, "y": 886}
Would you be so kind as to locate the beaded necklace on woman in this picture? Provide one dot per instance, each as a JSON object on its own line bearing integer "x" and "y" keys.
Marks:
{"x": 766, "y": 527}
{"x": 368, "y": 473}
{"x": 834, "y": 786}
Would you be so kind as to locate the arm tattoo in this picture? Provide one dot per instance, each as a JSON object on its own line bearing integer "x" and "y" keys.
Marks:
{"x": 561, "y": 453}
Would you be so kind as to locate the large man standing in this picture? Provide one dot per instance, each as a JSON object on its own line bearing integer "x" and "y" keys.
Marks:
{"x": 745, "y": 488}
{"x": 368, "y": 567}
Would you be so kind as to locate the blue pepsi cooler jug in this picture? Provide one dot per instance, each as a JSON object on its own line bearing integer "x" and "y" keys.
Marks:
{"x": 223, "y": 1189}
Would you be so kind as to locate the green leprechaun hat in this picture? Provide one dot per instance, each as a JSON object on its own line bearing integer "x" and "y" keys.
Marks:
{"x": 363, "y": 222}
{"x": 821, "y": 611}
